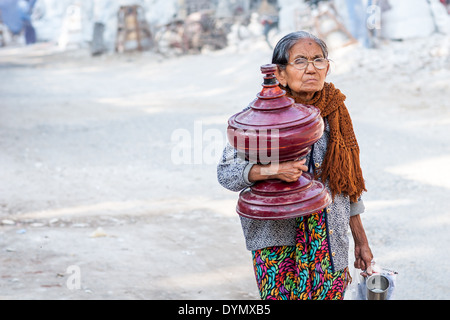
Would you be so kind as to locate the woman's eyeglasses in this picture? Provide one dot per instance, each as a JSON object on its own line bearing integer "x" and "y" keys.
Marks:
{"x": 302, "y": 63}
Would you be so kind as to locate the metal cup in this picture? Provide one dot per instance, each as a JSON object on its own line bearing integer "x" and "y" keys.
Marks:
{"x": 377, "y": 287}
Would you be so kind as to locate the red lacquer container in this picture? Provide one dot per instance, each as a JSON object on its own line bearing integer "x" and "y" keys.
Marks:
{"x": 275, "y": 129}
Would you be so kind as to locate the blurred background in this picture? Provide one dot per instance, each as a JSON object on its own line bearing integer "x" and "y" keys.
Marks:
{"x": 190, "y": 26}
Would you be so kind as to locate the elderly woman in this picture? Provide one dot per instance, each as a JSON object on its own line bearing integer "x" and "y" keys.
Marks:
{"x": 307, "y": 257}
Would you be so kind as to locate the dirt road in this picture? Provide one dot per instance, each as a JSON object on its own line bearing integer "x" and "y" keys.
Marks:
{"x": 108, "y": 174}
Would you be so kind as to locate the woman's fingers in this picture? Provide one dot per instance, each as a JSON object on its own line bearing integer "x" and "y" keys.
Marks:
{"x": 292, "y": 170}
{"x": 300, "y": 164}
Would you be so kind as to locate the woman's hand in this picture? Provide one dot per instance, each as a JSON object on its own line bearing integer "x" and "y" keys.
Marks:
{"x": 288, "y": 171}
{"x": 363, "y": 257}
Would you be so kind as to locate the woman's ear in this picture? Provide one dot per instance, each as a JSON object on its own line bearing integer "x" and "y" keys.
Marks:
{"x": 281, "y": 76}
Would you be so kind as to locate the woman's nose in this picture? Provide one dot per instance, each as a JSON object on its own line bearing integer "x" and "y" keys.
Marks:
{"x": 310, "y": 68}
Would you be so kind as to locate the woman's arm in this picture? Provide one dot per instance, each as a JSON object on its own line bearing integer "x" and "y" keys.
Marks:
{"x": 235, "y": 173}
{"x": 288, "y": 171}
{"x": 233, "y": 170}
{"x": 363, "y": 254}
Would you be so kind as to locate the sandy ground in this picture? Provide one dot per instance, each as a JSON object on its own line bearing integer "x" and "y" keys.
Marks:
{"x": 108, "y": 171}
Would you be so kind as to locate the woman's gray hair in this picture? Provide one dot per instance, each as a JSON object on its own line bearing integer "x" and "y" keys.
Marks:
{"x": 280, "y": 55}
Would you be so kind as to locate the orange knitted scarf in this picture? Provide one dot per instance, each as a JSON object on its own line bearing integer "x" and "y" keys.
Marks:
{"x": 341, "y": 165}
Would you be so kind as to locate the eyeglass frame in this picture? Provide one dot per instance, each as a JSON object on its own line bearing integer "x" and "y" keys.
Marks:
{"x": 308, "y": 61}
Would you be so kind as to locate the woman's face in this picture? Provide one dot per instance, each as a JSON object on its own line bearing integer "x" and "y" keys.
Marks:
{"x": 303, "y": 83}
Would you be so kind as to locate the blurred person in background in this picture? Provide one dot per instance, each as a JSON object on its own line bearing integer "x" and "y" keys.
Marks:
{"x": 16, "y": 15}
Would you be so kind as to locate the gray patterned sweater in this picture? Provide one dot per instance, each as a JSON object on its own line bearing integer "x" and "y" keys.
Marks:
{"x": 232, "y": 173}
